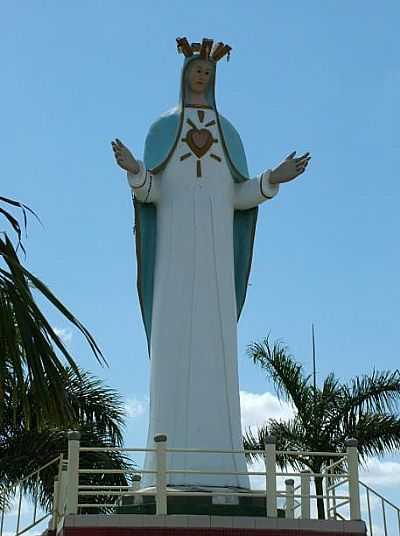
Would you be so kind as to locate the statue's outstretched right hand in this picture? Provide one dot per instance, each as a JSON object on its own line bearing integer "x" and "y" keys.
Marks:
{"x": 124, "y": 157}
{"x": 290, "y": 168}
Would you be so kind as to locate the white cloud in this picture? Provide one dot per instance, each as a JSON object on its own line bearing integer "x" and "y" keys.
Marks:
{"x": 64, "y": 334}
{"x": 256, "y": 408}
{"x": 381, "y": 473}
{"x": 135, "y": 407}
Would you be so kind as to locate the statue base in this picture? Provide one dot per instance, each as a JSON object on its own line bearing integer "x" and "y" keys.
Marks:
{"x": 214, "y": 504}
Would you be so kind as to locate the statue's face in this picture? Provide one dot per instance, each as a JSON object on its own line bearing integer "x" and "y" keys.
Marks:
{"x": 199, "y": 76}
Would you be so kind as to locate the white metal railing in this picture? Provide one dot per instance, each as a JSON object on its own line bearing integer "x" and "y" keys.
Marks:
{"x": 337, "y": 480}
{"x": 340, "y": 479}
{"x": 38, "y": 516}
{"x": 387, "y": 526}
{"x": 71, "y": 496}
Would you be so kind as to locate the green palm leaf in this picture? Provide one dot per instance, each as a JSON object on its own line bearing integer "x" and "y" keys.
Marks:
{"x": 28, "y": 344}
{"x": 97, "y": 412}
{"x": 287, "y": 375}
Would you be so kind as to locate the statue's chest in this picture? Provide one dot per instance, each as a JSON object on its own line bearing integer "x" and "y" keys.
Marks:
{"x": 199, "y": 146}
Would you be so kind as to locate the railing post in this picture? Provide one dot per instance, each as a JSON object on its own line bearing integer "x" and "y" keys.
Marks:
{"x": 62, "y": 488}
{"x": 289, "y": 512}
{"x": 354, "y": 490}
{"x": 56, "y": 500}
{"x": 270, "y": 479}
{"x": 137, "y": 499}
{"x": 305, "y": 481}
{"x": 334, "y": 500}
{"x": 327, "y": 481}
{"x": 73, "y": 473}
{"x": 161, "y": 477}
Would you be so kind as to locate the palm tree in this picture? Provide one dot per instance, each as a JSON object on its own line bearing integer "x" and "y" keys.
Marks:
{"x": 43, "y": 393}
{"x": 29, "y": 346}
{"x": 365, "y": 408}
{"x": 97, "y": 412}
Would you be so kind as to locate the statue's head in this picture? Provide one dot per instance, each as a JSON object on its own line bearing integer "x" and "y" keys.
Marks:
{"x": 198, "y": 78}
{"x": 199, "y": 75}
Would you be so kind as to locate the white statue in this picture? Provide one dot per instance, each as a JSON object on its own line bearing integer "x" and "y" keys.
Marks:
{"x": 196, "y": 211}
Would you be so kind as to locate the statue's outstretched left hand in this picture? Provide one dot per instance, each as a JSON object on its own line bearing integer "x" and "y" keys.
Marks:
{"x": 124, "y": 157}
{"x": 290, "y": 168}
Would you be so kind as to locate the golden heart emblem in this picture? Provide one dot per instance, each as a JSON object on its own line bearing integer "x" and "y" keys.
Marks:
{"x": 199, "y": 141}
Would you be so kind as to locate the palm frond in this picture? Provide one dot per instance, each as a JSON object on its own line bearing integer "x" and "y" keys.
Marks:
{"x": 28, "y": 343}
{"x": 375, "y": 393}
{"x": 378, "y": 392}
{"x": 97, "y": 412}
{"x": 287, "y": 375}
{"x": 14, "y": 223}
{"x": 96, "y": 405}
{"x": 289, "y": 437}
{"x": 255, "y": 443}
{"x": 326, "y": 406}
{"x": 330, "y": 387}
{"x": 377, "y": 434}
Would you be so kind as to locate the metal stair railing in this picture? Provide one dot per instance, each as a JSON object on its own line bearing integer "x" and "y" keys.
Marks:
{"x": 377, "y": 530}
{"x": 18, "y": 491}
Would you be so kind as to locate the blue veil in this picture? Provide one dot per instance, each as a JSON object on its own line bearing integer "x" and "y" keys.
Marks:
{"x": 160, "y": 144}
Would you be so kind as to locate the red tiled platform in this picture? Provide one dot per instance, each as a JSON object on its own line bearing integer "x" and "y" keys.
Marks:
{"x": 148, "y": 525}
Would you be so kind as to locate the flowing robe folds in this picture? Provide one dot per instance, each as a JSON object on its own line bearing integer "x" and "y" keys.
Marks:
{"x": 194, "y": 391}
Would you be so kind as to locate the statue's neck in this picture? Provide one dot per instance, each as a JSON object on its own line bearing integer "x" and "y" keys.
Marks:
{"x": 197, "y": 99}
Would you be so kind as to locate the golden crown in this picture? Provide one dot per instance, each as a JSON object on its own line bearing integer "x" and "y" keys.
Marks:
{"x": 206, "y": 50}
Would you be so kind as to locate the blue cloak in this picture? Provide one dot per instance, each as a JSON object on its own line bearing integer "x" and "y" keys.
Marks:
{"x": 159, "y": 147}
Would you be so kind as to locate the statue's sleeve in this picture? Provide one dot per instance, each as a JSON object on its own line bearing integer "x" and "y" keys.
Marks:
{"x": 249, "y": 194}
{"x": 145, "y": 185}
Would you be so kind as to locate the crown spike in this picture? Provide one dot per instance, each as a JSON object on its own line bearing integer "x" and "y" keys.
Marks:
{"x": 206, "y": 47}
{"x": 220, "y": 50}
{"x": 196, "y": 47}
{"x": 216, "y": 49}
{"x": 184, "y": 47}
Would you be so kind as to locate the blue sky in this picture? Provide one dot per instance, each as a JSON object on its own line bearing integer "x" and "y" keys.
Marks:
{"x": 317, "y": 76}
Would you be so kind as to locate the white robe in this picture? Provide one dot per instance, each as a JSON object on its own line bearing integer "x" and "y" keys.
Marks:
{"x": 194, "y": 386}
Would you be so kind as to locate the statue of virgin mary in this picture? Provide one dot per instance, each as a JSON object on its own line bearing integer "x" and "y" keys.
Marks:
{"x": 195, "y": 213}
